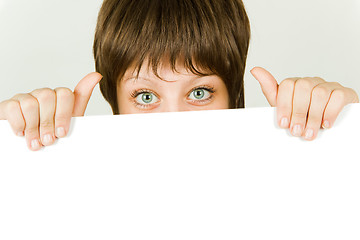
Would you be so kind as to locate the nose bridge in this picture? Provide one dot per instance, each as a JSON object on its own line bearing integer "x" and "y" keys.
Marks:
{"x": 174, "y": 102}
{"x": 173, "y": 97}
{"x": 173, "y": 105}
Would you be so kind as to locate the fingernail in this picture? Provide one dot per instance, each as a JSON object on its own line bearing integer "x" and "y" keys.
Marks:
{"x": 297, "y": 131}
{"x": 48, "y": 139}
{"x": 309, "y": 134}
{"x": 284, "y": 123}
{"x": 35, "y": 144}
{"x": 60, "y": 132}
{"x": 326, "y": 124}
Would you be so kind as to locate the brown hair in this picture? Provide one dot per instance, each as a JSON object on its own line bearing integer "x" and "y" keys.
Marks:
{"x": 210, "y": 35}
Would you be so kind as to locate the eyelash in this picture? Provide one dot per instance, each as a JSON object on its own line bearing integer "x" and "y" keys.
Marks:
{"x": 135, "y": 93}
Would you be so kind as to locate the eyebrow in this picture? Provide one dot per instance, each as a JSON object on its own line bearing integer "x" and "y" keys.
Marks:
{"x": 135, "y": 78}
{"x": 149, "y": 80}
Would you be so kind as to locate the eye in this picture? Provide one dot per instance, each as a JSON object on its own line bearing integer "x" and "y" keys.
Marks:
{"x": 199, "y": 94}
{"x": 146, "y": 98}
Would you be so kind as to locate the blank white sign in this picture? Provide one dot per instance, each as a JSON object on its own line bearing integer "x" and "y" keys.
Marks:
{"x": 225, "y": 174}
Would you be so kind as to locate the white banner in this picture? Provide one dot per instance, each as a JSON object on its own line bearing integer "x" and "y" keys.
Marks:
{"x": 225, "y": 174}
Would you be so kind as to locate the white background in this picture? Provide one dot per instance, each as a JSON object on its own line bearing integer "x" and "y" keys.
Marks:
{"x": 49, "y": 44}
{"x": 224, "y": 176}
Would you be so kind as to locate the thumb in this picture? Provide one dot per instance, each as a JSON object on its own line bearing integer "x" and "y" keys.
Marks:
{"x": 268, "y": 83}
{"x": 83, "y": 91}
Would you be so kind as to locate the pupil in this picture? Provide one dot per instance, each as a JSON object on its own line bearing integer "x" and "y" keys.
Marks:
{"x": 199, "y": 94}
{"x": 147, "y": 98}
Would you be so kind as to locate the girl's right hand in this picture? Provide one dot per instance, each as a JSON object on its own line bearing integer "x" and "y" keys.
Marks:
{"x": 45, "y": 114}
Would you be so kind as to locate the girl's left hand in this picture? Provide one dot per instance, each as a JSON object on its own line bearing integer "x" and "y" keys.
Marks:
{"x": 304, "y": 104}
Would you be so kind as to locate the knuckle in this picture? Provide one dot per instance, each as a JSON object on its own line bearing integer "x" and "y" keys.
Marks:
{"x": 339, "y": 95}
{"x": 18, "y": 125}
{"x": 32, "y": 131}
{"x": 320, "y": 92}
{"x": 319, "y": 79}
{"x": 11, "y": 106}
{"x": 355, "y": 98}
{"x": 45, "y": 94}
{"x": 60, "y": 118}
{"x": 47, "y": 124}
{"x": 283, "y": 107}
{"x": 64, "y": 92}
{"x": 12, "y": 109}
{"x": 305, "y": 83}
{"x": 287, "y": 83}
{"x": 314, "y": 121}
{"x": 29, "y": 103}
{"x": 337, "y": 84}
{"x": 299, "y": 115}
{"x": 19, "y": 96}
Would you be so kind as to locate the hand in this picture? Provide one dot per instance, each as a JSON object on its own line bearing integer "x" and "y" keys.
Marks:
{"x": 304, "y": 104}
{"x": 45, "y": 114}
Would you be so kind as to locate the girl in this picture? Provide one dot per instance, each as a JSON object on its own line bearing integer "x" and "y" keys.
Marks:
{"x": 173, "y": 55}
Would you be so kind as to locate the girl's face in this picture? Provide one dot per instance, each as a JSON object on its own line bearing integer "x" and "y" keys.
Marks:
{"x": 183, "y": 91}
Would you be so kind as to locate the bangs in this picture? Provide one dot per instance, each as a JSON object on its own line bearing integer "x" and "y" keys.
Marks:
{"x": 183, "y": 32}
{"x": 176, "y": 31}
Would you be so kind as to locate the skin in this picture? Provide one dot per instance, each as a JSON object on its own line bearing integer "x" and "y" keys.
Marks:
{"x": 175, "y": 92}
{"x": 306, "y": 103}
{"x": 44, "y": 114}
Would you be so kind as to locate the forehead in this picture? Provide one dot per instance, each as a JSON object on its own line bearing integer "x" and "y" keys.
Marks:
{"x": 165, "y": 72}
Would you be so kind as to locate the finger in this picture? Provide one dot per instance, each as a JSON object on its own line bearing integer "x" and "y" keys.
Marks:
{"x": 268, "y": 83}
{"x": 47, "y": 101}
{"x": 3, "y": 110}
{"x": 83, "y": 92}
{"x": 339, "y": 98}
{"x": 284, "y": 101}
{"x": 30, "y": 109}
{"x": 64, "y": 108}
{"x": 10, "y": 110}
{"x": 319, "y": 98}
{"x": 301, "y": 102}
